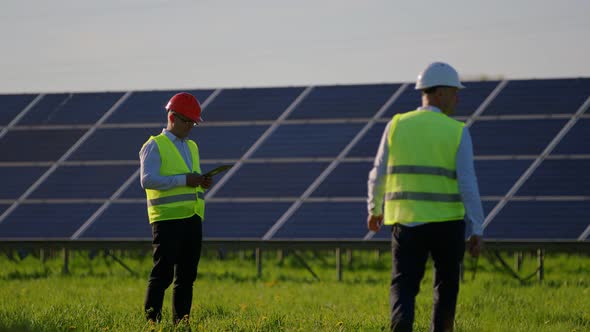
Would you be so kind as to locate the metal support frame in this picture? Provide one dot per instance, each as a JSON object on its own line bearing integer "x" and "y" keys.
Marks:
{"x": 65, "y": 156}
{"x": 110, "y": 254}
{"x": 258, "y": 262}
{"x": 338, "y": 264}
{"x": 66, "y": 258}
{"x": 305, "y": 265}
{"x": 541, "y": 265}
{"x": 518, "y": 258}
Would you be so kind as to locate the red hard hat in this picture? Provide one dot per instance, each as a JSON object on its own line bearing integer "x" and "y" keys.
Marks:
{"x": 185, "y": 104}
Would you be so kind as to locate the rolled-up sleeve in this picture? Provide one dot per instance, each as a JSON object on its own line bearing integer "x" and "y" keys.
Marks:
{"x": 468, "y": 187}
{"x": 150, "y": 161}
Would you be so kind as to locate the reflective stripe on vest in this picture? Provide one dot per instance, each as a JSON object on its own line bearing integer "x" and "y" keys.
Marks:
{"x": 421, "y": 181}
{"x": 422, "y": 170}
{"x": 174, "y": 199}
{"x": 418, "y": 196}
{"x": 179, "y": 202}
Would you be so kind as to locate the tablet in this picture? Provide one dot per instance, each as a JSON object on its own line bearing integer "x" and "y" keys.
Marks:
{"x": 218, "y": 170}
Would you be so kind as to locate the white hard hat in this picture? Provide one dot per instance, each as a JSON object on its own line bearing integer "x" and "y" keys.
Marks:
{"x": 436, "y": 74}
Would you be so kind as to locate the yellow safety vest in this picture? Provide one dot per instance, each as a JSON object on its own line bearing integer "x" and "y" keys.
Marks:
{"x": 421, "y": 181}
{"x": 180, "y": 202}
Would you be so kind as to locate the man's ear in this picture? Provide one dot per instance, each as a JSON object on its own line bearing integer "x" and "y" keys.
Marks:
{"x": 170, "y": 117}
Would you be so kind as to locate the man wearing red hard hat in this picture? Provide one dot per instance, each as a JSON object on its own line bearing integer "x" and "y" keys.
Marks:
{"x": 171, "y": 177}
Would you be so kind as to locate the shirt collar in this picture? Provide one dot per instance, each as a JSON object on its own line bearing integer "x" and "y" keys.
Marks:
{"x": 171, "y": 136}
{"x": 430, "y": 108}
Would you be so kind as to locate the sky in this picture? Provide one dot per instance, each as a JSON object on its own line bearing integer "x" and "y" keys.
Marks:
{"x": 120, "y": 45}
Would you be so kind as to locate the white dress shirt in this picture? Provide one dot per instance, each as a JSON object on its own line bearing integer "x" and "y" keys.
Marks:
{"x": 466, "y": 179}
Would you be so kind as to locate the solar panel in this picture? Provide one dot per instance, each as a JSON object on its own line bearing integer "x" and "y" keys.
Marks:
{"x": 508, "y": 137}
{"x": 37, "y": 145}
{"x": 349, "y": 179}
{"x": 240, "y": 220}
{"x": 134, "y": 190}
{"x": 540, "y": 220}
{"x": 344, "y": 101}
{"x": 114, "y": 144}
{"x": 15, "y": 180}
{"x": 576, "y": 140}
{"x": 255, "y": 104}
{"x": 84, "y": 181}
{"x": 271, "y": 180}
{"x": 81, "y": 108}
{"x": 496, "y": 177}
{"x": 557, "y": 96}
{"x": 514, "y": 137}
{"x": 121, "y": 221}
{"x": 225, "y": 142}
{"x": 46, "y": 220}
{"x": 565, "y": 177}
{"x": 308, "y": 140}
{"x": 368, "y": 145}
{"x": 319, "y": 220}
{"x": 11, "y": 105}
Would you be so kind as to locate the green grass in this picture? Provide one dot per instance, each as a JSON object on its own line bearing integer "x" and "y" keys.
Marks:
{"x": 100, "y": 295}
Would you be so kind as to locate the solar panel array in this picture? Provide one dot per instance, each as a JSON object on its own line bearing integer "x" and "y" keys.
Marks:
{"x": 69, "y": 162}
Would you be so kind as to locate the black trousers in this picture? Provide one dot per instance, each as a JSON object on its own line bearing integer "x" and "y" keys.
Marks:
{"x": 445, "y": 242}
{"x": 176, "y": 253}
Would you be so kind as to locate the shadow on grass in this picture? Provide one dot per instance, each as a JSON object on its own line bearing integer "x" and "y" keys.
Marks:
{"x": 32, "y": 275}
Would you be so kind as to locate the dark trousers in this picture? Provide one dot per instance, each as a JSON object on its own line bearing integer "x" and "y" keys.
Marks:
{"x": 445, "y": 242}
{"x": 176, "y": 252}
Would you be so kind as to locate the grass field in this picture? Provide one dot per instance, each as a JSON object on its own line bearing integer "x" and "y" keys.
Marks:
{"x": 99, "y": 295}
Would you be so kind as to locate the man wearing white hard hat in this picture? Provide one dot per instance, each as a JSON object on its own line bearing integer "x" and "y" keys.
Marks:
{"x": 423, "y": 184}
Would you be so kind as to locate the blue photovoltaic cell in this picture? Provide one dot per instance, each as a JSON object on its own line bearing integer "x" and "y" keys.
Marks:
{"x": 84, "y": 181}
{"x": 134, "y": 190}
{"x": 470, "y": 99}
{"x": 548, "y": 220}
{"x": 344, "y": 101}
{"x": 368, "y": 145}
{"x": 80, "y": 108}
{"x": 496, "y": 177}
{"x": 513, "y": 137}
{"x": 37, "y": 145}
{"x": 121, "y": 221}
{"x": 326, "y": 221}
{"x": 241, "y": 220}
{"x": 214, "y": 142}
{"x": 577, "y": 140}
{"x": 12, "y": 105}
{"x": 271, "y": 180}
{"x": 348, "y": 179}
{"x": 16, "y": 180}
{"x": 250, "y": 104}
{"x": 408, "y": 101}
{"x": 509, "y": 138}
{"x": 225, "y": 142}
{"x": 559, "y": 178}
{"x": 46, "y": 220}
{"x": 114, "y": 144}
{"x": 149, "y": 106}
{"x": 554, "y": 96}
{"x": 308, "y": 140}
